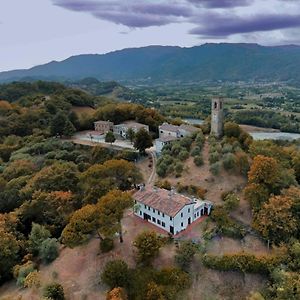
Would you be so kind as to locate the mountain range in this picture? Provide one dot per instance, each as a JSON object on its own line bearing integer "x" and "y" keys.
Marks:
{"x": 208, "y": 62}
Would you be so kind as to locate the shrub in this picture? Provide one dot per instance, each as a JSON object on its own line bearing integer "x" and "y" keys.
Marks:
{"x": 32, "y": 280}
{"x": 214, "y": 157}
{"x": 215, "y": 168}
{"x": 54, "y": 291}
{"x": 198, "y": 161}
{"x": 229, "y": 161}
{"x": 242, "y": 262}
{"x": 227, "y": 148}
{"x": 115, "y": 274}
{"x": 48, "y": 250}
{"x": 178, "y": 168}
{"x": 164, "y": 185}
{"x": 147, "y": 244}
{"x": 106, "y": 245}
{"x": 183, "y": 155}
{"x": 196, "y": 151}
{"x": 231, "y": 202}
{"x": 184, "y": 255}
{"x": 21, "y": 272}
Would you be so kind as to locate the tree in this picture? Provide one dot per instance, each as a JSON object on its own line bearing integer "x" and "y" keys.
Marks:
{"x": 116, "y": 274}
{"x": 52, "y": 209}
{"x": 83, "y": 223}
{"x": 264, "y": 170}
{"x": 9, "y": 253}
{"x": 54, "y": 291}
{"x": 61, "y": 125}
{"x": 143, "y": 140}
{"x": 60, "y": 176}
{"x": 154, "y": 292}
{"x": 256, "y": 195}
{"x": 147, "y": 244}
{"x": 111, "y": 209}
{"x": 110, "y": 137}
{"x": 48, "y": 250}
{"x": 232, "y": 129}
{"x": 130, "y": 135}
{"x": 184, "y": 255}
{"x": 275, "y": 220}
{"x": 117, "y": 294}
{"x": 296, "y": 164}
{"x": 37, "y": 236}
{"x": 113, "y": 174}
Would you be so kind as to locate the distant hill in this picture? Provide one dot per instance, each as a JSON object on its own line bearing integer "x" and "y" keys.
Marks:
{"x": 209, "y": 62}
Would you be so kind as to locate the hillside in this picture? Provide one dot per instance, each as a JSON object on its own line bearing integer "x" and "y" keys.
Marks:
{"x": 208, "y": 62}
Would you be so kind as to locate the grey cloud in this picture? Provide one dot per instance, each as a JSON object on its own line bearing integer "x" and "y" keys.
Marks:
{"x": 218, "y": 26}
{"x": 202, "y": 13}
{"x": 221, "y": 3}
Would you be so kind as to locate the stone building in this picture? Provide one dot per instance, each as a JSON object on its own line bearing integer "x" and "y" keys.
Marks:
{"x": 103, "y": 126}
{"x": 217, "y": 117}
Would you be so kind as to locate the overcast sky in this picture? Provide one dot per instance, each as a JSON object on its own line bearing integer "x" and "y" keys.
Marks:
{"x": 33, "y": 32}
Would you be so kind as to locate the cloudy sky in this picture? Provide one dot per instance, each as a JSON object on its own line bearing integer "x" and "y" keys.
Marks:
{"x": 37, "y": 31}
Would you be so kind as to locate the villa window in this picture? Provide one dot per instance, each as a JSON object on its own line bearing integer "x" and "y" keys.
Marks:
{"x": 153, "y": 219}
{"x": 163, "y": 224}
{"x": 163, "y": 215}
{"x": 145, "y": 205}
{"x": 159, "y": 213}
{"x": 181, "y": 224}
{"x": 148, "y": 207}
{"x": 140, "y": 213}
{"x": 181, "y": 215}
{"x": 170, "y": 218}
{"x": 189, "y": 210}
{"x": 153, "y": 210}
{"x": 158, "y": 222}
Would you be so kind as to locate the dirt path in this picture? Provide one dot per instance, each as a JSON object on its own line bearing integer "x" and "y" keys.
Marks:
{"x": 152, "y": 177}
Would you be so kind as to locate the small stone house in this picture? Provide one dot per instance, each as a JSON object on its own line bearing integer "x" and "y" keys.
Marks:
{"x": 103, "y": 126}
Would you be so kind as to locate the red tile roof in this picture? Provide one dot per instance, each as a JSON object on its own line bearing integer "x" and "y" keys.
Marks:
{"x": 162, "y": 200}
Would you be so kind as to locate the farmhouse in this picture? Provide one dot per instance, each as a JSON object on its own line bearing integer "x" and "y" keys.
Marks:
{"x": 122, "y": 129}
{"x": 103, "y": 126}
{"x": 169, "y": 133}
{"x": 169, "y": 210}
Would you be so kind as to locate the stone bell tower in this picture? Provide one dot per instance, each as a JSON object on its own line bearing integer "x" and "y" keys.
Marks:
{"x": 217, "y": 118}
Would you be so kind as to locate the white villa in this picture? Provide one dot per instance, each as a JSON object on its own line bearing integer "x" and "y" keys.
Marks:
{"x": 169, "y": 210}
{"x": 169, "y": 133}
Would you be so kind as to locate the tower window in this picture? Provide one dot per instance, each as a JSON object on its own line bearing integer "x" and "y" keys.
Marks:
{"x": 216, "y": 105}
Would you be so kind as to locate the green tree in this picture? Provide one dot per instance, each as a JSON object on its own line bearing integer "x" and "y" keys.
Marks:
{"x": 110, "y": 137}
{"x": 61, "y": 125}
{"x": 54, "y": 291}
{"x": 143, "y": 140}
{"x": 37, "y": 236}
{"x": 48, "y": 250}
{"x": 147, "y": 244}
{"x": 116, "y": 274}
{"x": 130, "y": 135}
{"x": 185, "y": 254}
